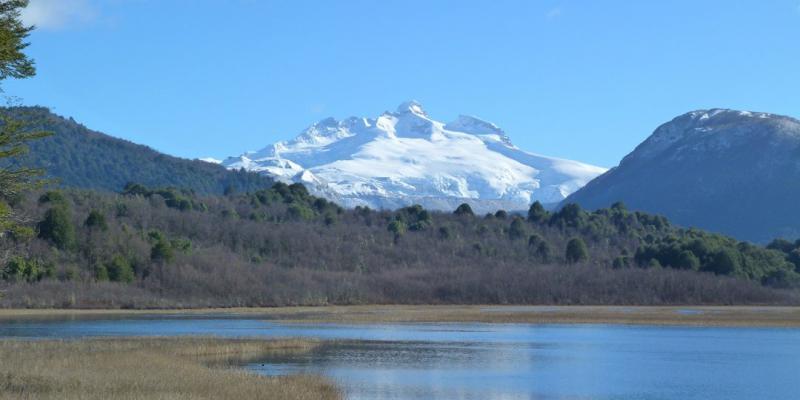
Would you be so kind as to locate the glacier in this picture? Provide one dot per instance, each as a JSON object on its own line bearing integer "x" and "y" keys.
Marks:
{"x": 405, "y": 157}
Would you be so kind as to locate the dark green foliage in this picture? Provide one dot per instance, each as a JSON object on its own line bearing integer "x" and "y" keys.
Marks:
{"x": 518, "y": 229}
{"x": 534, "y": 240}
{"x": 687, "y": 260}
{"x": 300, "y": 212}
{"x": 20, "y": 269}
{"x": 539, "y": 247}
{"x": 13, "y": 62}
{"x": 53, "y": 197}
{"x": 537, "y": 213}
{"x": 57, "y": 227}
{"x": 77, "y": 157}
{"x": 120, "y": 270}
{"x": 15, "y": 133}
{"x": 464, "y": 209}
{"x": 781, "y": 245}
{"x": 576, "y": 251}
{"x": 417, "y": 218}
{"x": 162, "y": 251}
{"x": 182, "y": 245}
{"x": 330, "y": 219}
{"x": 794, "y": 258}
{"x": 570, "y": 216}
{"x": 718, "y": 254}
{"x": 101, "y": 273}
{"x": 621, "y": 262}
{"x": 397, "y": 227}
{"x": 501, "y": 214}
{"x": 173, "y": 198}
{"x": 724, "y": 262}
{"x": 96, "y": 220}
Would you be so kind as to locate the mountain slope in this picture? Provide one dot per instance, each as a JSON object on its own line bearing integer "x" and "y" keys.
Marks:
{"x": 734, "y": 172}
{"x": 405, "y": 157}
{"x": 79, "y": 157}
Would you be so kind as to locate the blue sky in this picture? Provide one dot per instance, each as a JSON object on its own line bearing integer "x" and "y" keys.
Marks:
{"x": 586, "y": 80}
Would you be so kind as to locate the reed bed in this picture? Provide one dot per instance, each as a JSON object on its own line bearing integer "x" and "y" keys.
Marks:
{"x": 151, "y": 368}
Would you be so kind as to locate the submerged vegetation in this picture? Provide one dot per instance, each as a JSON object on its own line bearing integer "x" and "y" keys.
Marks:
{"x": 168, "y": 247}
{"x": 174, "y": 368}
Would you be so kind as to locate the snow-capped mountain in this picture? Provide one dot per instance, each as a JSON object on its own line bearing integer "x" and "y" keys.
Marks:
{"x": 729, "y": 171}
{"x": 405, "y": 157}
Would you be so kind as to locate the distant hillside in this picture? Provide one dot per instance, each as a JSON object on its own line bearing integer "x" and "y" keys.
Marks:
{"x": 733, "y": 172}
{"x": 79, "y": 157}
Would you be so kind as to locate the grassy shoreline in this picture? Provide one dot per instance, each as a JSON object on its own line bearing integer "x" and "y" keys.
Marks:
{"x": 163, "y": 368}
{"x": 757, "y": 316}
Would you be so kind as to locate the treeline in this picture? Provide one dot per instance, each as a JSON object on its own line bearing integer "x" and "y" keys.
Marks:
{"x": 148, "y": 247}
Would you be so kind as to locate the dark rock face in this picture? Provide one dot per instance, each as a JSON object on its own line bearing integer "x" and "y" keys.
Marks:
{"x": 728, "y": 171}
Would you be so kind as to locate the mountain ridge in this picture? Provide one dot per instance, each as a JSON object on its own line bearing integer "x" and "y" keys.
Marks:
{"x": 76, "y": 156}
{"x": 729, "y": 171}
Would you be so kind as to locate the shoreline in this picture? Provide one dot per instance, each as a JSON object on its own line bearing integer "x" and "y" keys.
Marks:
{"x": 714, "y": 316}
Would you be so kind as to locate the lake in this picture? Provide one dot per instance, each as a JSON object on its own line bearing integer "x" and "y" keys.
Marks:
{"x": 496, "y": 361}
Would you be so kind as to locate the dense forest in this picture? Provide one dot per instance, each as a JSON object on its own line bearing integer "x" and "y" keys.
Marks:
{"x": 148, "y": 247}
{"x": 75, "y": 156}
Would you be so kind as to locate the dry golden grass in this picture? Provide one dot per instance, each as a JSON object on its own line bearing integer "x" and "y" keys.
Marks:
{"x": 672, "y": 315}
{"x": 768, "y": 316}
{"x": 144, "y": 368}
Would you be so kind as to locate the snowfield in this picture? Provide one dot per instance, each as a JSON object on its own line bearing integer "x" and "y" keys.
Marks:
{"x": 405, "y": 157}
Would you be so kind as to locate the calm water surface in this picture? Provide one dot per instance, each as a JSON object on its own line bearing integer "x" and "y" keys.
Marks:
{"x": 483, "y": 361}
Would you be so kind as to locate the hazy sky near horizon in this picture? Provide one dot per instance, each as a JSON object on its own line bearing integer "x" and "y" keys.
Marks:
{"x": 585, "y": 80}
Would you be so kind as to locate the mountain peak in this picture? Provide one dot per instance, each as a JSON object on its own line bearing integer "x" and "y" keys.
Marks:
{"x": 724, "y": 114}
{"x": 411, "y": 106}
{"x": 703, "y": 167}
{"x": 406, "y": 157}
{"x": 476, "y": 126}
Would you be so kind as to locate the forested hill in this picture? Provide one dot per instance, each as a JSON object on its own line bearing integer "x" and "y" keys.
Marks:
{"x": 727, "y": 171}
{"x": 148, "y": 247}
{"x": 81, "y": 158}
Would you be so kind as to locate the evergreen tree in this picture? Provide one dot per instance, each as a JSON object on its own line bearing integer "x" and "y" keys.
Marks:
{"x": 687, "y": 260}
{"x": 464, "y": 209}
{"x": 57, "y": 227}
{"x": 397, "y": 227}
{"x": 96, "y": 220}
{"x": 537, "y": 213}
{"x": 162, "y": 251}
{"x": 576, "y": 251}
{"x": 724, "y": 262}
{"x": 571, "y": 215}
{"x": 518, "y": 229}
{"x": 120, "y": 270}
{"x": 13, "y": 132}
